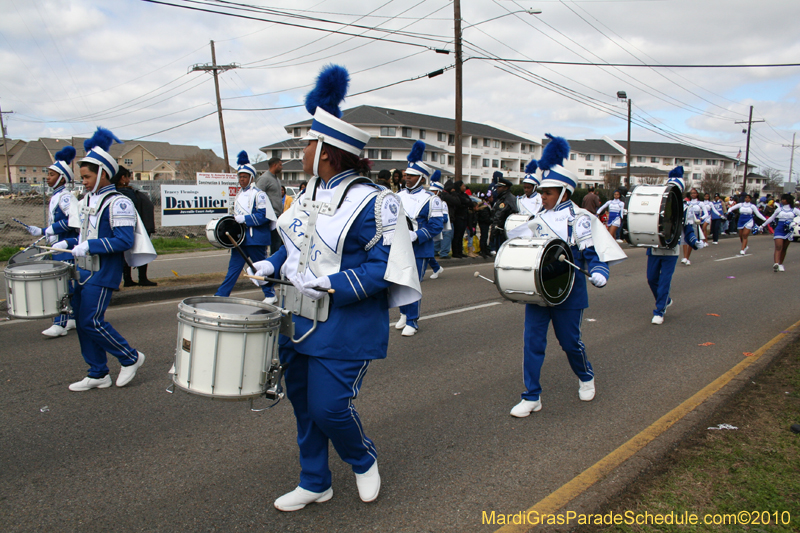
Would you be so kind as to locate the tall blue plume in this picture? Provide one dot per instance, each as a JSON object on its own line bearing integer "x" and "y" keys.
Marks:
{"x": 416, "y": 152}
{"x": 102, "y": 138}
{"x": 556, "y": 151}
{"x": 330, "y": 90}
{"x": 531, "y": 167}
{"x": 242, "y": 159}
{"x": 436, "y": 176}
{"x": 66, "y": 154}
{"x": 676, "y": 172}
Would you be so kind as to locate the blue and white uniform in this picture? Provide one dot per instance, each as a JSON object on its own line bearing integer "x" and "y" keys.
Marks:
{"x": 661, "y": 266}
{"x": 784, "y": 218}
{"x": 427, "y": 215}
{"x": 253, "y": 205}
{"x": 615, "y": 208}
{"x": 59, "y": 230}
{"x": 708, "y": 207}
{"x": 747, "y": 214}
{"x": 108, "y": 220}
{"x": 529, "y": 205}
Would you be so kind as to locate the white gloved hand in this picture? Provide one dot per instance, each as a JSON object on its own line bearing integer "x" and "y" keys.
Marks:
{"x": 239, "y": 219}
{"x": 35, "y": 231}
{"x": 413, "y": 235}
{"x": 598, "y": 280}
{"x": 61, "y": 245}
{"x": 263, "y": 268}
{"x": 81, "y": 250}
{"x": 49, "y": 231}
{"x": 701, "y": 244}
{"x": 309, "y": 287}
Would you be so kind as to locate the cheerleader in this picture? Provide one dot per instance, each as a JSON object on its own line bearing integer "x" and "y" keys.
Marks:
{"x": 747, "y": 212}
{"x": 710, "y": 210}
{"x": 784, "y": 215}
{"x": 616, "y": 207}
{"x": 696, "y": 214}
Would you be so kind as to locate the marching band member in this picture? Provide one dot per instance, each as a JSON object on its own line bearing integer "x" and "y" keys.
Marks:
{"x": 590, "y": 244}
{"x": 338, "y": 234}
{"x": 108, "y": 223}
{"x": 747, "y": 212}
{"x": 695, "y": 213}
{"x": 661, "y": 262}
{"x": 253, "y": 209}
{"x": 717, "y": 218}
{"x": 436, "y": 189}
{"x": 530, "y": 202}
{"x": 59, "y": 174}
{"x": 427, "y": 215}
{"x": 616, "y": 207}
{"x": 784, "y": 215}
{"x": 709, "y": 208}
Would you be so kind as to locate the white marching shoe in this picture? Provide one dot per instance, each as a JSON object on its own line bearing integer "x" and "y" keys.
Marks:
{"x": 55, "y": 331}
{"x": 369, "y": 484}
{"x": 409, "y": 331}
{"x": 127, "y": 373}
{"x": 657, "y": 320}
{"x": 684, "y": 260}
{"x": 781, "y": 269}
{"x": 401, "y": 323}
{"x": 88, "y": 383}
{"x": 300, "y": 497}
{"x": 270, "y": 300}
{"x": 586, "y": 390}
{"x": 435, "y": 275}
{"x": 525, "y": 408}
{"x": 687, "y": 262}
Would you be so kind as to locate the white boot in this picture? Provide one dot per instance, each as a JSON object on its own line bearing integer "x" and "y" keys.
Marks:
{"x": 401, "y": 323}
{"x": 586, "y": 390}
{"x": 300, "y": 497}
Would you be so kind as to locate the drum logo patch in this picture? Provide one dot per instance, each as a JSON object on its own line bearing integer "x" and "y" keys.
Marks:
{"x": 646, "y": 202}
{"x": 186, "y": 345}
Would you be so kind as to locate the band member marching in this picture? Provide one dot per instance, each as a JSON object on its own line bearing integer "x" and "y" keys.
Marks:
{"x": 747, "y": 214}
{"x": 591, "y": 245}
{"x": 530, "y": 203}
{"x": 338, "y": 234}
{"x": 616, "y": 208}
{"x": 425, "y": 211}
{"x": 253, "y": 209}
{"x": 59, "y": 174}
{"x": 695, "y": 214}
{"x": 436, "y": 189}
{"x": 784, "y": 216}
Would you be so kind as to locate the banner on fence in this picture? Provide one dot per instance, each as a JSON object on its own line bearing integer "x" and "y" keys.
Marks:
{"x": 217, "y": 178}
{"x": 194, "y": 205}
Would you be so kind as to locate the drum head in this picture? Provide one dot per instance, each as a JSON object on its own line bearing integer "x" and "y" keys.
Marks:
{"x": 555, "y": 277}
{"x": 231, "y": 308}
{"x": 671, "y": 222}
{"x": 25, "y": 255}
{"x": 228, "y": 224}
{"x": 35, "y": 267}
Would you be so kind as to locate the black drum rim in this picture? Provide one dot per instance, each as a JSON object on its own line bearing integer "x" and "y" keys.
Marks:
{"x": 540, "y": 286}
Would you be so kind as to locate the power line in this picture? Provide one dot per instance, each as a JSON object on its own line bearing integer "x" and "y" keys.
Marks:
{"x": 636, "y": 65}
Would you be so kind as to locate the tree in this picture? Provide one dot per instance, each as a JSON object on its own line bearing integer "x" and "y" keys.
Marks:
{"x": 774, "y": 180}
{"x": 716, "y": 180}
{"x": 611, "y": 181}
{"x": 199, "y": 162}
{"x": 257, "y": 158}
{"x": 650, "y": 180}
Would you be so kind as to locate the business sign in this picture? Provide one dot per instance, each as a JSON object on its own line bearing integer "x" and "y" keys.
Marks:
{"x": 194, "y": 205}
{"x": 216, "y": 178}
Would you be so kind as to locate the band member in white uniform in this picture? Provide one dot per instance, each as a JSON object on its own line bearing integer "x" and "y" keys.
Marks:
{"x": 747, "y": 214}
{"x": 437, "y": 188}
{"x": 695, "y": 215}
{"x": 529, "y": 203}
{"x": 616, "y": 208}
{"x": 784, "y": 217}
{"x": 59, "y": 174}
{"x": 341, "y": 233}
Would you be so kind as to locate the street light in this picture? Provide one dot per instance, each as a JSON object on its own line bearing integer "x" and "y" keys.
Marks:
{"x": 622, "y": 95}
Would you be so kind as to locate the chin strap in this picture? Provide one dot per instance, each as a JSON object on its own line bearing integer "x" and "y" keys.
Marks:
{"x": 561, "y": 195}
{"x": 416, "y": 184}
{"x": 318, "y": 154}
{"x": 97, "y": 181}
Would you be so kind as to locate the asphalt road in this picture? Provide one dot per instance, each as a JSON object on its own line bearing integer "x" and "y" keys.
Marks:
{"x": 139, "y": 459}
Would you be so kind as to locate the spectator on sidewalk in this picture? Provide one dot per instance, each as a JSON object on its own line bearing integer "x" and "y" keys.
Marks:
{"x": 146, "y": 210}
{"x": 591, "y": 201}
{"x": 268, "y": 182}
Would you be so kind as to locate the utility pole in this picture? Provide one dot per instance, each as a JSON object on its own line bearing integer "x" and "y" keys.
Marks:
{"x": 216, "y": 69}
{"x": 5, "y": 147}
{"x": 459, "y": 85}
{"x": 628, "y": 150}
{"x": 791, "y": 160}
{"x": 747, "y": 149}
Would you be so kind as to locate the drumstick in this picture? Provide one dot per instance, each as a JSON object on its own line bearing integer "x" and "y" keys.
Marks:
{"x": 563, "y": 259}
{"x": 238, "y": 249}
{"x": 54, "y": 249}
{"x": 478, "y": 275}
{"x": 284, "y": 282}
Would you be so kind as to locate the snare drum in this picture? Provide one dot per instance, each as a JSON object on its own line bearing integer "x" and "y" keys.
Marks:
{"x": 653, "y": 216}
{"x": 527, "y": 270}
{"x": 37, "y": 289}
{"x": 216, "y": 229}
{"x": 227, "y": 348}
{"x": 514, "y": 221}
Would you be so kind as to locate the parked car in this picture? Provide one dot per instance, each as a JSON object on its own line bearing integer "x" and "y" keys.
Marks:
{"x": 4, "y": 189}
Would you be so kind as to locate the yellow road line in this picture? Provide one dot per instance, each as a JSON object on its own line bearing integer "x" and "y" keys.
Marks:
{"x": 607, "y": 464}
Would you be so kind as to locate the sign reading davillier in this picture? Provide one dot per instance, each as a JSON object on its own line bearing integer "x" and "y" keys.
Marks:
{"x": 193, "y": 205}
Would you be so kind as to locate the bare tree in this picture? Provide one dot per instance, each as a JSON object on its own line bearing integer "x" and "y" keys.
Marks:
{"x": 650, "y": 180}
{"x": 774, "y": 180}
{"x": 199, "y": 162}
{"x": 612, "y": 181}
{"x": 257, "y": 158}
{"x": 716, "y": 180}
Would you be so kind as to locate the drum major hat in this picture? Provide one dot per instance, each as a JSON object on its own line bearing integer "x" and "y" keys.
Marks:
{"x": 97, "y": 152}
{"x": 63, "y": 159}
{"x": 436, "y": 181}
{"x": 553, "y": 173}
{"x": 328, "y": 127}
{"x": 676, "y": 177}
{"x": 244, "y": 164}
{"x": 415, "y": 164}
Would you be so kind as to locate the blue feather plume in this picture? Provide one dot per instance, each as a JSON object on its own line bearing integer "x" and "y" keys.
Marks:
{"x": 556, "y": 151}
{"x": 416, "y": 152}
{"x": 330, "y": 90}
{"x": 102, "y": 138}
{"x": 66, "y": 154}
{"x": 242, "y": 159}
{"x": 531, "y": 167}
{"x": 676, "y": 172}
{"x": 436, "y": 176}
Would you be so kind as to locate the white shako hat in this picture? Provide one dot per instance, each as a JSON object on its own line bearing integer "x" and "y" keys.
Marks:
{"x": 328, "y": 127}
{"x": 97, "y": 152}
{"x": 553, "y": 173}
{"x": 415, "y": 164}
{"x": 530, "y": 174}
{"x": 676, "y": 177}
{"x": 63, "y": 158}
{"x": 244, "y": 164}
{"x": 436, "y": 181}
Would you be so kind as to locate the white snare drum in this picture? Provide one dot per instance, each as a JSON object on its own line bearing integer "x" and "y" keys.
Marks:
{"x": 227, "y": 348}
{"x": 516, "y": 220}
{"x": 216, "y": 229}
{"x": 653, "y": 216}
{"x": 37, "y": 289}
{"x": 796, "y": 229}
{"x": 527, "y": 270}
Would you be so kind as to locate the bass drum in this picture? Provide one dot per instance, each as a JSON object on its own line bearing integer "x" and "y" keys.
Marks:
{"x": 527, "y": 270}
{"x": 653, "y": 216}
{"x": 216, "y": 229}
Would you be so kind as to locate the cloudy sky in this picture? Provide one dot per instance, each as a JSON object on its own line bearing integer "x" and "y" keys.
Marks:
{"x": 69, "y": 65}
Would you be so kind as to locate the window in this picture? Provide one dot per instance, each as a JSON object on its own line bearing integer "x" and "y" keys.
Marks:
{"x": 589, "y": 172}
{"x": 451, "y": 160}
{"x": 372, "y": 153}
{"x": 714, "y": 162}
{"x": 406, "y": 132}
{"x": 487, "y": 143}
{"x": 23, "y": 179}
{"x": 128, "y": 162}
{"x": 474, "y": 142}
{"x": 421, "y": 134}
{"x": 503, "y": 146}
{"x": 572, "y": 156}
{"x": 388, "y": 131}
{"x": 296, "y": 132}
{"x": 386, "y": 154}
{"x": 522, "y": 166}
{"x": 640, "y": 159}
{"x": 23, "y": 170}
{"x": 495, "y": 163}
{"x": 654, "y": 160}
{"x": 474, "y": 162}
{"x": 603, "y": 158}
{"x": 485, "y": 163}
{"x": 496, "y": 144}
{"x": 590, "y": 157}
{"x": 44, "y": 170}
{"x": 424, "y": 156}
{"x": 35, "y": 180}
{"x": 696, "y": 161}
{"x": 441, "y": 136}
{"x": 451, "y": 139}
{"x": 696, "y": 176}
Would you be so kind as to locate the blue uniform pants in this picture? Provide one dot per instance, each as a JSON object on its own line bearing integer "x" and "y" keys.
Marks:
{"x": 412, "y": 310}
{"x": 659, "y": 276}
{"x": 61, "y": 320}
{"x": 322, "y": 393}
{"x": 255, "y": 253}
{"x": 89, "y": 303}
{"x": 567, "y": 327}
